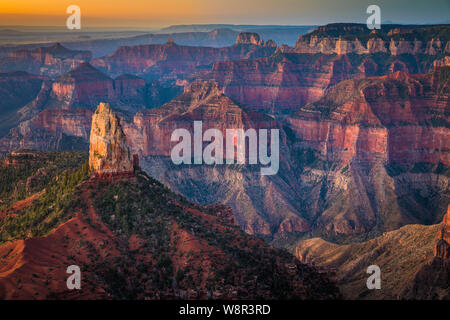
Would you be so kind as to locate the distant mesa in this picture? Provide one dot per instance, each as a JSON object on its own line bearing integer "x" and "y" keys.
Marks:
{"x": 108, "y": 151}
{"x": 249, "y": 38}
{"x": 84, "y": 72}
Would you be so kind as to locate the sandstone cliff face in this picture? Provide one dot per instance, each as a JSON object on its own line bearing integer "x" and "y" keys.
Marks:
{"x": 389, "y": 118}
{"x": 108, "y": 149}
{"x": 83, "y": 86}
{"x": 86, "y": 87}
{"x": 369, "y": 143}
{"x": 128, "y": 85}
{"x": 38, "y": 103}
{"x": 276, "y": 83}
{"x": 357, "y": 38}
{"x": 249, "y": 38}
{"x": 286, "y": 81}
{"x": 51, "y": 61}
{"x": 130, "y": 92}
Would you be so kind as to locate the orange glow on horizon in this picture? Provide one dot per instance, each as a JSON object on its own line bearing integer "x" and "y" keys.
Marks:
{"x": 140, "y": 11}
{"x": 167, "y": 12}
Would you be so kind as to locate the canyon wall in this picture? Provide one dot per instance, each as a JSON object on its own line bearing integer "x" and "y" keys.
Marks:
{"x": 174, "y": 61}
{"x": 392, "y": 39}
{"x": 50, "y": 61}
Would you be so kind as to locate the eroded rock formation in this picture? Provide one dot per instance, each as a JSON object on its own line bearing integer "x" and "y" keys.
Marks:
{"x": 249, "y": 38}
{"x": 108, "y": 150}
{"x": 442, "y": 249}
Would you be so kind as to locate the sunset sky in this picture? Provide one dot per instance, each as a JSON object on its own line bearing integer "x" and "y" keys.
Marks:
{"x": 160, "y": 13}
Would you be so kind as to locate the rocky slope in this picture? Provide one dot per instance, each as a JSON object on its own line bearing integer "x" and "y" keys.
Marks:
{"x": 370, "y": 156}
{"x": 397, "y": 112}
{"x": 410, "y": 266}
{"x": 170, "y": 250}
{"x": 432, "y": 281}
{"x": 400, "y": 254}
{"x": 50, "y": 61}
{"x": 51, "y": 130}
{"x": 17, "y": 89}
{"x": 82, "y": 86}
{"x": 293, "y": 77}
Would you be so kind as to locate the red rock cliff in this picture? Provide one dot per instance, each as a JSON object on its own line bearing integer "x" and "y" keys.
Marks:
{"x": 357, "y": 38}
{"x": 399, "y": 118}
{"x": 151, "y": 130}
{"x": 84, "y": 86}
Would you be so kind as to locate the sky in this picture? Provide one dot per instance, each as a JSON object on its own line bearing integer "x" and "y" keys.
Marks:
{"x": 161, "y": 13}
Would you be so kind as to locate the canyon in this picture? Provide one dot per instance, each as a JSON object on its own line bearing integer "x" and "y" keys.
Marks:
{"x": 364, "y": 155}
{"x": 364, "y": 135}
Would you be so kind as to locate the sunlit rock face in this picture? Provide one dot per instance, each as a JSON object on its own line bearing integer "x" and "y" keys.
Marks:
{"x": 442, "y": 249}
{"x": 249, "y": 38}
{"x": 108, "y": 151}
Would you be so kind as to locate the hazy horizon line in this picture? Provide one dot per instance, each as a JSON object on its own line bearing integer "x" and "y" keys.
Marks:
{"x": 387, "y": 22}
